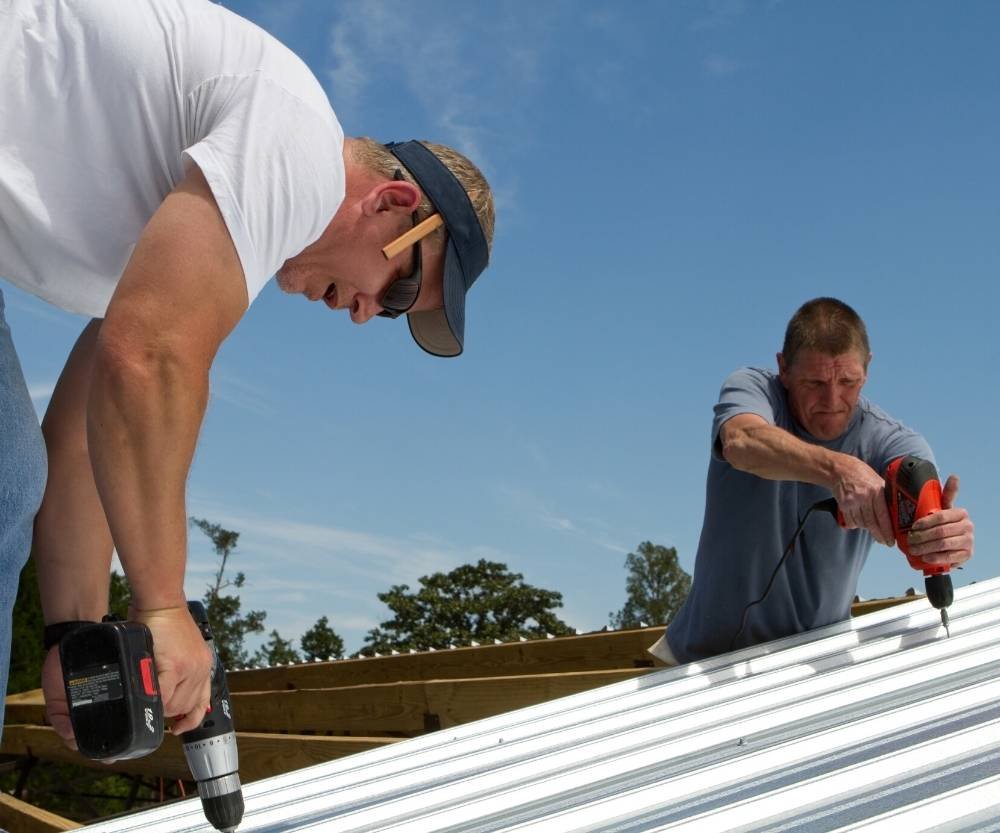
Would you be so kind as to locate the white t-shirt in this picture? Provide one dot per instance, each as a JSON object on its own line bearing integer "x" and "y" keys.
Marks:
{"x": 103, "y": 104}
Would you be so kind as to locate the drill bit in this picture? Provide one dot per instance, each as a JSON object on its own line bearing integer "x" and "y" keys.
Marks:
{"x": 944, "y": 621}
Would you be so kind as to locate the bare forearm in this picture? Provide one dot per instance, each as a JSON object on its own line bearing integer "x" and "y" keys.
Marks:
{"x": 775, "y": 454}
{"x": 72, "y": 543}
{"x": 143, "y": 419}
{"x": 752, "y": 445}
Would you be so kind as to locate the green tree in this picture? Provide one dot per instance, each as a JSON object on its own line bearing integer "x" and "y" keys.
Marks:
{"x": 656, "y": 586}
{"x": 120, "y": 595}
{"x": 276, "y": 651}
{"x": 27, "y": 651}
{"x": 483, "y": 601}
{"x": 321, "y": 642}
{"x": 230, "y": 625}
{"x": 28, "y": 625}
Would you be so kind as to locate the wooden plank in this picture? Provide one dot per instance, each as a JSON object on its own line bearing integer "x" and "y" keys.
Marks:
{"x": 27, "y": 707}
{"x": 409, "y": 708}
{"x": 406, "y": 708}
{"x": 872, "y": 605}
{"x": 587, "y": 652}
{"x": 261, "y": 755}
{"x": 18, "y": 816}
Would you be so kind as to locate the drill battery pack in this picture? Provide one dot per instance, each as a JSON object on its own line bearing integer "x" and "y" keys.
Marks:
{"x": 111, "y": 690}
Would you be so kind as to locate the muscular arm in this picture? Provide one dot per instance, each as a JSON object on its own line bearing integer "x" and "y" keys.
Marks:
{"x": 72, "y": 543}
{"x": 180, "y": 296}
{"x": 143, "y": 403}
{"x": 751, "y": 444}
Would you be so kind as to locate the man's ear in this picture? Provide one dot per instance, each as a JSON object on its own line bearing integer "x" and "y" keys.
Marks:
{"x": 782, "y": 369}
{"x": 392, "y": 195}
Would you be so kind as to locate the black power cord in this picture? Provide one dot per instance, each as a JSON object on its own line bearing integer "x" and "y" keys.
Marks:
{"x": 828, "y": 505}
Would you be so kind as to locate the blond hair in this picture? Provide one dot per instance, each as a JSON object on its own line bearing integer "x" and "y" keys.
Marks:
{"x": 374, "y": 156}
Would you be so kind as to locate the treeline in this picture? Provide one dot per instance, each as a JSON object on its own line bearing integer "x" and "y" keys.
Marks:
{"x": 479, "y": 602}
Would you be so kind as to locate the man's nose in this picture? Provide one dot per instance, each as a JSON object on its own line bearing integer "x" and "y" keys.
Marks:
{"x": 829, "y": 394}
{"x": 364, "y": 308}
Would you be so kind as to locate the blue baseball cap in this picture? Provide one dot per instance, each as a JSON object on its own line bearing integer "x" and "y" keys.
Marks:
{"x": 441, "y": 332}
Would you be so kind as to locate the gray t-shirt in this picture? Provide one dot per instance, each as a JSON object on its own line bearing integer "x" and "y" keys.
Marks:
{"x": 749, "y": 522}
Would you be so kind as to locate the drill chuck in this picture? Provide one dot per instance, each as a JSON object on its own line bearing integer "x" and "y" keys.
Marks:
{"x": 211, "y": 748}
{"x": 940, "y": 592}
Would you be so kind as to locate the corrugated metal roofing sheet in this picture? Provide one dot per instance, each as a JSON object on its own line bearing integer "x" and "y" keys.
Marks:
{"x": 878, "y": 723}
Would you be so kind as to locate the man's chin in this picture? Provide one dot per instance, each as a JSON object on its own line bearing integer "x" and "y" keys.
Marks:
{"x": 828, "y": 431}
{"x": 285, "y": 283}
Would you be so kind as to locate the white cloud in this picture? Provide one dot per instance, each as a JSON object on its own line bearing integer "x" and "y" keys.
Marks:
{"x": 313, "y": 550}
{"x": 229, "y": 388}
{"x": 41, "y": 391}
{"x": 348, "y": 79}
{"x": 720, "y": 66}
{"x": 298, "y": 572}
{"x": 463, "y": 69}
{"x": 539, "y": 510}
{"x": 42, "y": 310}
{"x": 719, "y": 13}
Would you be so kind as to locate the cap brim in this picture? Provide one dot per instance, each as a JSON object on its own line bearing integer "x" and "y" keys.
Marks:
{"x": 441, "y": 331}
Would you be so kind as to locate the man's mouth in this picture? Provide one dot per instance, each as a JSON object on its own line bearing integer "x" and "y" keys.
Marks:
{"x": 330, "y": 298}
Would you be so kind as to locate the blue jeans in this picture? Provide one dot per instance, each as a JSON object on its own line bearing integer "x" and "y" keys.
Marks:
{"x": 23, "y": 467}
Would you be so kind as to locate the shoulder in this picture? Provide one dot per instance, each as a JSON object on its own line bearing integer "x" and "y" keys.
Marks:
{"x": 880, "y": 437}
{"x": 872, "y": 418}
{"x": 221, "y": 46}
{"x": 753, "y": 380}
{"x": 749, "y": 390}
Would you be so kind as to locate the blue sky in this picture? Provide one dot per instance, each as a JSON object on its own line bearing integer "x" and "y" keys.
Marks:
{"x": 672, "y": 179}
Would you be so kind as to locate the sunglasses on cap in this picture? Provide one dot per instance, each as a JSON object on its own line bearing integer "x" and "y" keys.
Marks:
{"x": 400, "y": 296}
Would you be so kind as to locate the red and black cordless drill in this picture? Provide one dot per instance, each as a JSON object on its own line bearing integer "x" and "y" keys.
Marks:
{"x": 913, "y": 491}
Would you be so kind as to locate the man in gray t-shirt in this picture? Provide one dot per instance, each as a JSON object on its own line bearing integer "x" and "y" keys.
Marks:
{"x": 780, "y": 443}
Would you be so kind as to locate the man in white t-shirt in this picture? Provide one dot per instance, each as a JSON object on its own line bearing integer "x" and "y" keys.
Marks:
{"x": 159, "y": 161}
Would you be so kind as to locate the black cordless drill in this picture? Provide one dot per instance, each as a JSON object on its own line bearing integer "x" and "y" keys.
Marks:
{"x": 116, "y": 711}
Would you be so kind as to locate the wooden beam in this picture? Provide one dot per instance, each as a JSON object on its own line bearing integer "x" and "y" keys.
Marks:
{"x": 409, "y": 708}
{"x": 261, "y": 755}
{"x": 27, "y": 707}
{"x": 20, "y": 817}
{"x": 872, "y": 605}
{"x": 587, "y": 652}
